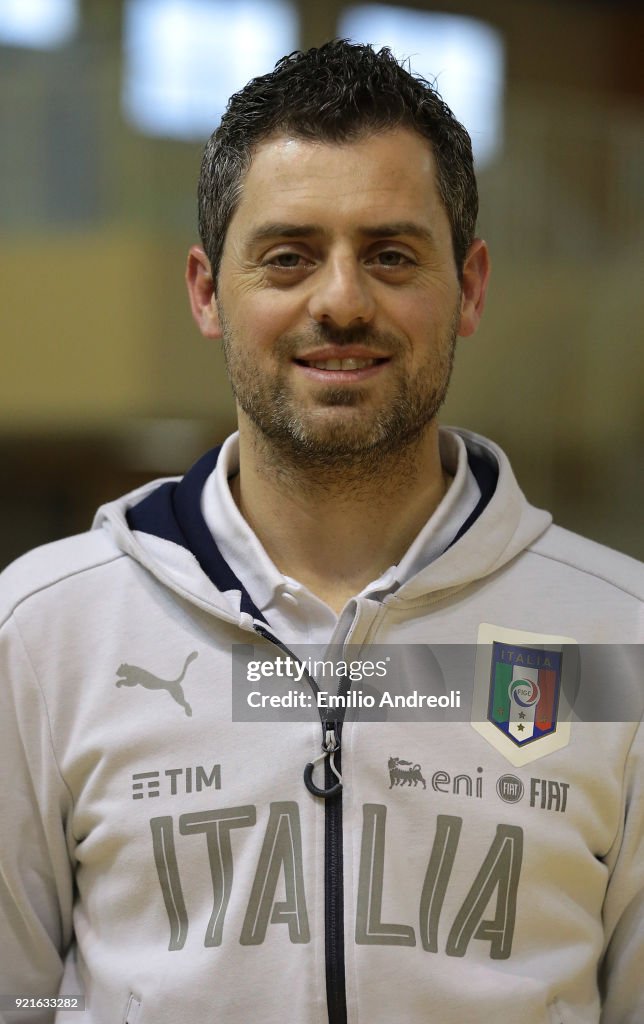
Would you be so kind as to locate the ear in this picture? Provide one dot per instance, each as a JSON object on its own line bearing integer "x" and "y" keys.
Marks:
{"x": 476, "y": 273}
{"x": 201, "y": 290}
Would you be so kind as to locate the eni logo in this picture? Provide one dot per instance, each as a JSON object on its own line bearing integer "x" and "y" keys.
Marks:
{"x": 403, "y": 773}
{"x": 524, "y": 692}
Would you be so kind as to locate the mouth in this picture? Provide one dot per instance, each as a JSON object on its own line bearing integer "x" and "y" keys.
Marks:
{"x": 339, "y": 371}
{"x": 349, "y": 363}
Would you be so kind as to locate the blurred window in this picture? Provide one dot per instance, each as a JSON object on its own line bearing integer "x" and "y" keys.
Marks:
{"x": 463, "y": 56}
{"x": 37, "y": 24}
{"x": 184, "y": 58}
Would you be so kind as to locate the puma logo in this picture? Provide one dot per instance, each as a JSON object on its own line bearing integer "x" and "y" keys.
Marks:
{"x": 132, "y": 675}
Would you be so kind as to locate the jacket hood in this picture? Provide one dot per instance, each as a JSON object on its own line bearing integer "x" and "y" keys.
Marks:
{"x": 162, "y": 527}
{"x": 502, "y": 525}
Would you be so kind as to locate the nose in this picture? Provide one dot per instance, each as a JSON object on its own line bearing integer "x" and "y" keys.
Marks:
{"x": 341, "y": 293}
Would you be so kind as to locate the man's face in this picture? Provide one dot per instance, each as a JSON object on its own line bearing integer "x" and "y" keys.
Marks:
{"x": 338, "y": 298}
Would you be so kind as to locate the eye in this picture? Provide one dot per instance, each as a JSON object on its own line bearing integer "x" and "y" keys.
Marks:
{"x": 286, "y": 267}
{"x": 392, "y": 259}
{"x": 286, "y": 260}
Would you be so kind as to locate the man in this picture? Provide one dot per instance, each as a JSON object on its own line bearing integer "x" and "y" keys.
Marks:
{"x": 168, "y": 859}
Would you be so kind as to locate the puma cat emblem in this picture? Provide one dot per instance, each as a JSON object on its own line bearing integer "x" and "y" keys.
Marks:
{"x": 132, "y": 675}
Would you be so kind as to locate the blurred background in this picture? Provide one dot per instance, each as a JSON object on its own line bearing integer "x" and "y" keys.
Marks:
{"x": 104, "y": 109}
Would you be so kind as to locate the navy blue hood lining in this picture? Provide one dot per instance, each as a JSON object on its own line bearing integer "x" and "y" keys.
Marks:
{"x": 173, "y": 512}
{"x": 486, "y": 473}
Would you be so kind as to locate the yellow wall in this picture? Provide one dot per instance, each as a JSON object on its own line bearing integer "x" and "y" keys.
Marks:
{"x": 97, "y": 340}
{"x": 96, "y": 328}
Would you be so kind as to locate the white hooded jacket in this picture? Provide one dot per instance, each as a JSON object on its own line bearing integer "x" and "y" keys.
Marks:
{"x": 170, "y": 864}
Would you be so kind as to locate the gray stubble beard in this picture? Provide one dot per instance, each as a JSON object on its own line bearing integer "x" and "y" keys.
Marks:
{"x": 288, "y": 439}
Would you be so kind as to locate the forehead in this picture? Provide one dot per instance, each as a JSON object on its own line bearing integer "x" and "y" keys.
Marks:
{"x": 389, "y": 176}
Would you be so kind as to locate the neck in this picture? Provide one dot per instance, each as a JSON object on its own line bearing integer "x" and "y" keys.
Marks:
{"x": 335, "y": 529}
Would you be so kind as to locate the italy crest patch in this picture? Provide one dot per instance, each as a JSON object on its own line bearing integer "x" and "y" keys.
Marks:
{"x": 520, "y": 704}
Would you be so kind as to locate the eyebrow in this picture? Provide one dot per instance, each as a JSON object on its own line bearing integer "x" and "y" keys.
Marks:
{"x": 389, "y": 230}
{"x": 400, "y": 227}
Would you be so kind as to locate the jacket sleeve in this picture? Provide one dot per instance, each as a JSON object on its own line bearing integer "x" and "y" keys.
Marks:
{"x": 36, "y": 878}
{"x": 622, "y": 973}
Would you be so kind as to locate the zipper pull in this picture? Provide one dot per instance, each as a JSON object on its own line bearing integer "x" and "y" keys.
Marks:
{"x": 329, "y": 747}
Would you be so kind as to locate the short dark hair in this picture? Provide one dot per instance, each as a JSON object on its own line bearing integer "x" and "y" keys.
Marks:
{"x": 337, "y": 92}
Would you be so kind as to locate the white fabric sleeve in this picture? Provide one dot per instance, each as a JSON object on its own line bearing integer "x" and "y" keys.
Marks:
{"x": 36, "y": 877}
{"x": 622, "y": 975}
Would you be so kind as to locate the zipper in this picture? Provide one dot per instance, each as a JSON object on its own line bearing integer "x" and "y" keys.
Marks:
{"x": 330, "y": 731}
{"x": 334, "y": 893}
{"x": 333, "y": 856}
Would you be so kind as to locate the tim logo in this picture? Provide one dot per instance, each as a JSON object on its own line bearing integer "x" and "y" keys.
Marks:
{"x": 132, "y": 675}
{"x": 404, "y": 773}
